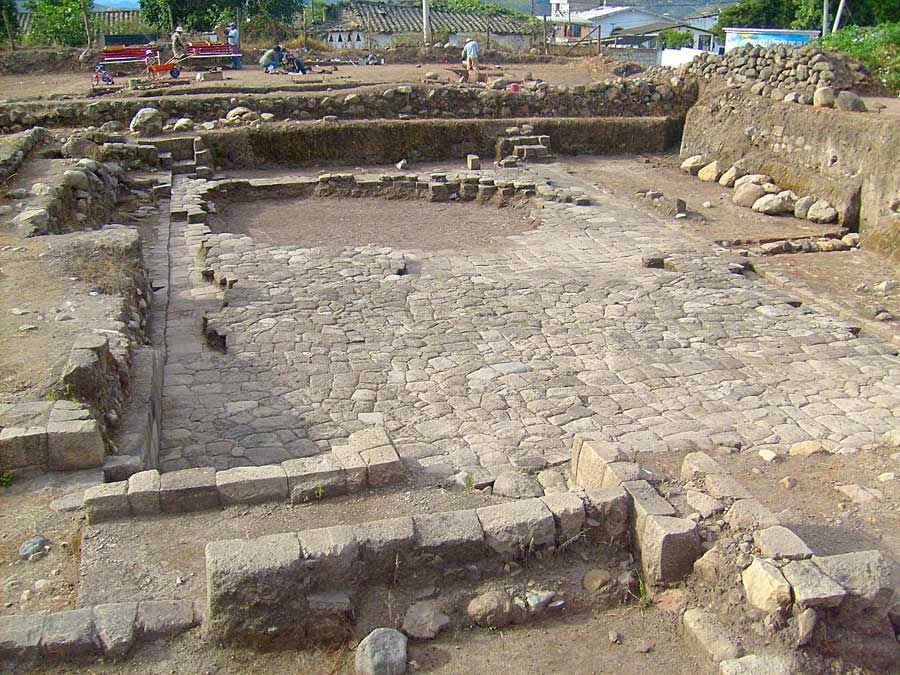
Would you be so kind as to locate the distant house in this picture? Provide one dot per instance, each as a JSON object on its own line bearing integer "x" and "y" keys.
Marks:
{"x": 650, "y": 35}
{"x": 574, "y": 23}
{"x": 375, "y": 25}
{"x": 704, "y": 20}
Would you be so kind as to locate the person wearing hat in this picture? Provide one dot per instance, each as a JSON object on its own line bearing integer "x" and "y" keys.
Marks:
{"x": 231, "y": 34}
{"x": 178, "y": 45}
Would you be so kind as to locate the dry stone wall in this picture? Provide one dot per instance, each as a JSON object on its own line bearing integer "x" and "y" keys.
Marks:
{"x": 613, "y": 98}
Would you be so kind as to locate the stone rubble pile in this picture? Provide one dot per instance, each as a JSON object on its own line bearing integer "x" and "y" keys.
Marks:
{"x": 792, "y": 75}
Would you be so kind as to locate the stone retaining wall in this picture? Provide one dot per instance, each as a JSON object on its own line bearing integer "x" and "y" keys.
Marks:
{"x": 84, "y": 634}
{"x": 16, "y": 149}
{"x": 849, "y": 159}
{"x": 369, "y": 459}
{"x": 384, "y": 141}
{"x": 296, "y": 588}
{"x": 614, "y": 98}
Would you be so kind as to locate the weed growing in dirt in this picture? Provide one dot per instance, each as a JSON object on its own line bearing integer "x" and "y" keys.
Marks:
{"x": 108, "y": 270}
{"x": 470, "y": 484}
{"x": 6, "y": 479}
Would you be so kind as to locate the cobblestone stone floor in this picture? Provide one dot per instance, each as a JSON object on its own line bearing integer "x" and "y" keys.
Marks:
{"x": 481, "y": 359}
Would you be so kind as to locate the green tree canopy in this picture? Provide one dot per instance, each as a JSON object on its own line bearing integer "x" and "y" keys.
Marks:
{"x": 675, "y": 39}
{"x": 67, "y": 23}
{"x": 206, "y": 14}
{"x": 807, "y": 14}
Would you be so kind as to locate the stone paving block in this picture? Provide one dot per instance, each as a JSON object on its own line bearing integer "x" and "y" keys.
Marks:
{"x": 516, "y": 528}
{"x": 589, "y": 461}
{"x": 778, "y": 542}
{"x": 367, "y": 439}
{"x": 453, "y": 535}
{"x": 611, "y": 507}
{"x": 745, "y": 514}
{"x": 382, "y": 541}
{"x": 20, "y": 636}
{"x": 568, "y": 514}
{"x": 720, "y": 485}
{"x": 22, "y": 446}
{"x": 647, "y": 501}
{"x": 76, "y": 444}
{"x": 384, "y": 465}
{"x": 865, "y": 575}
{"x": 618, "y": 473}
{"x": 698, "y": 464}
{"x": 114, "y": 626}
{"x": 252, "y": 484}
{"x": 765, "y": 586}
{"x": 335, "y": 550}
{"x": 811, "y": 586}
{"x": 669, "y": 546}
{"x": 713, "y": 639}
{"x": 188, "y": 490}
{"x": 69, "y": 636}
{"x": 164, "y": 618}
{"x": 143, "y": 493}
{"x": 311, "y": 478}
{"x": 355, "y": 469}
{"x": 253, "y": 584}
{"x": 107, "y": 501}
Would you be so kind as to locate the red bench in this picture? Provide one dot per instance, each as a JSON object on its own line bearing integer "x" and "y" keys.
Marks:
{"x": 211, "y": 50}
{"x": 120, "y": 54}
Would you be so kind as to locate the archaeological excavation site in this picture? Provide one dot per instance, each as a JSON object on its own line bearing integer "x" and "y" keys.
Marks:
{"x": 556, "y": 373}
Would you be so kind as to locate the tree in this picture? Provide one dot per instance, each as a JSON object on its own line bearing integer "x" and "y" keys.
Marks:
{"x": 9, "y": 25}
{"x": 67, "y": 23}
{"x": 675, "y": 39}
{"x": 759, "y": 14}
{"x": 203, "y": 14}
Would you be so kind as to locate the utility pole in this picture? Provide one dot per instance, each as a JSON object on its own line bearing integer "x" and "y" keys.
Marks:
{"x": 426, "y": 22}
{"x": 837, "y": 17}
{"x": 825, "y": 9}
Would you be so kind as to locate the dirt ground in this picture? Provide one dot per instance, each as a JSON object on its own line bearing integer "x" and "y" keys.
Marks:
{"x": 77, "y": 85}
{"x": 405, "y": 224}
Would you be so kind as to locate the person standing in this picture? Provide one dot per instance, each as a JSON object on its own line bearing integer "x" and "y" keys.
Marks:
{"x": 178, "y": 44}
{"x": 470, "y": 55}
{"x": 233, "y": 38}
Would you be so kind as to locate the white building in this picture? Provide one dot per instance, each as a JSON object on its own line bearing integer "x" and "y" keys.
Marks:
{"x": 576, "y": 23}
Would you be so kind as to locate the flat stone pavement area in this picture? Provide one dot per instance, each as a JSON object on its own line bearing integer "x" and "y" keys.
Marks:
{"x": 484, "y": 358}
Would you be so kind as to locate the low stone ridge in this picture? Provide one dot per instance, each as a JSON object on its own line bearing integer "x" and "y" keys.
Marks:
{"x": 346, "y": 470}
{"x": 82, "y": 634}
{"x": 259, "y": 590}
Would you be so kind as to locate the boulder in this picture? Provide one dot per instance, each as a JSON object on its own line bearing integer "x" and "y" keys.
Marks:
{"x": 382, "y": 652}
{"x": 801, "y": 208}
{"x": 847, "y": 100}
{"x": 183, "y": 124}
{"x": 517, "y": 485}
{"x": 494, "y": 609}
{"x": 765, "y": 586}
{"x": 147, "y": 122}
{"x": 774, "y": 204}
{"x": 748, "y": 194}
{"x": 757, "y": 178}
{"x": 424, "y": 620}
{"x": 824, "y": 97}
{"x": 822, "y": 212}
{"x": 692, "y": 165}
{"x": 710, "y": 173}
{"x": 77, "y": 148}
{"x": 729, "y": 178}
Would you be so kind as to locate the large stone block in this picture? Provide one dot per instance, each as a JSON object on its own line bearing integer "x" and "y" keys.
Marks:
{"x": 384, "y": 465}
{"x": 143, "y": 493}
{"x": 568, "y": 514}
{"x": 812, "y": 587}
{"x": 612, "y": 508}
{"x": 77, "y": 444}
{"x": 366, "y": 439}
{"x": 647, "y": 502}
{"x": 355, "y": 469}
{"x": 22, "y": 446}
{"x": 253, "y": 585}
{"x": 188, "y": 490}
{"x": 252, "y": 484}
{"x": 618, "y": 473}
{"x": 107, "y": 501}
{"x": 778, "y": 542}
{"x": 454, "y": 535}
{"x": 517, "y": 528}
{"x": 114, "y": 626}
{"x": 699, "y": 464}
{"x": 310, "y": 478}
{"x": 589, "y": 459}
{"x": 765, "y": 586}
{"x": 748, "y": 513}
{"x": 865, "y": 575}
{"x": 329, "y": 553}
{"x": 20, "y": 637}
{"x": 164, "y": 618}
{"x": 381, "y": 542}
{"x": 69, "y": 636}
{"x": 711, "y": 636}
{"x": 669, "y": 546}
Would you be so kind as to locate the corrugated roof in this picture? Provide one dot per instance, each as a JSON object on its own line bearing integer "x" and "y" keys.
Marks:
{"x": 383, "y": 17}
{"x": 657, "y": 27}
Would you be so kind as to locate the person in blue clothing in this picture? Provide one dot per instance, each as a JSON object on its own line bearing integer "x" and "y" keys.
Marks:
{"x": 470, "y": 55}
{"x": 233, "y": 37}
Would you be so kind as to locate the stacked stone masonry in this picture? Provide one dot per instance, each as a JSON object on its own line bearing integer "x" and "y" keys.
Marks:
{"x": 283, "y": 588}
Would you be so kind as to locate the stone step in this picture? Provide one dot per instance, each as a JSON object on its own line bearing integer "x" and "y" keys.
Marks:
{"x": 184, "y": 166}
{"x": 531, "y": 152}
{"x": 324, "y": 569}
{"x": 180, "y": 147}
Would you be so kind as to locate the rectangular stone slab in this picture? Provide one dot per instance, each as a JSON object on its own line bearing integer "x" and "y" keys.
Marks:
{"x": 516, "y": 528}
{"x": 20, "y": 636}
{"x": 107, "y": 501}
{"x": 143, "y": 493}
{"x": 811, "y": 586}
{"x": 252, "y": 484}
{"x": 455, "y": 535}
{"x": 188, "y": 490}
{"x": 69, "y": 635}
